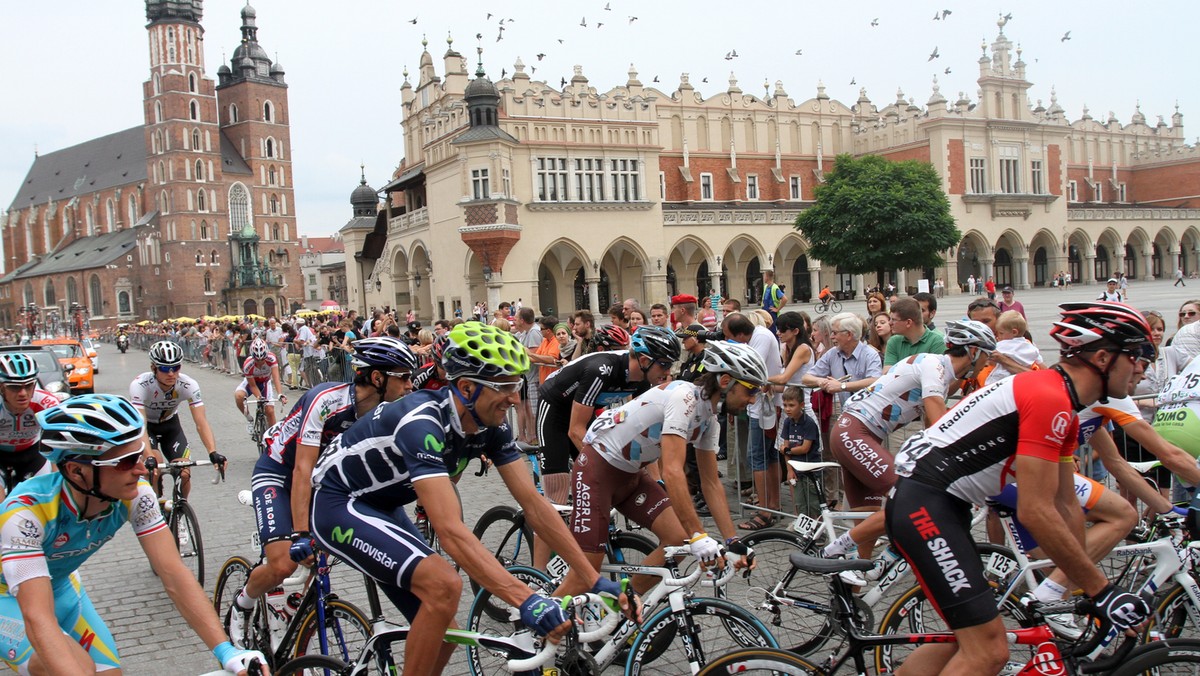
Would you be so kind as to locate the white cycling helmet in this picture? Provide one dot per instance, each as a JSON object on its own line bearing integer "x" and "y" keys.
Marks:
{"x": 738, "y": 360}
{"x": 259, "y": 349}
{"x": 165, "y": 353}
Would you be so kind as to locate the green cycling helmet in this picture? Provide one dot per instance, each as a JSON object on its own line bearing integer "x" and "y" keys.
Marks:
{"x": 478, "y": 350}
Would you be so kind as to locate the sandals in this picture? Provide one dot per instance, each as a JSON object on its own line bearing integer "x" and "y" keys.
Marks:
{"x": 757, "y": 522}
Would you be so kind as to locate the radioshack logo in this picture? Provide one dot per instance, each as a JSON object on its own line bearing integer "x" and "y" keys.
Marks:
{"x": 1058, "y": 427}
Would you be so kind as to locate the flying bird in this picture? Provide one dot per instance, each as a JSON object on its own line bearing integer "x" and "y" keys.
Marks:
{"x": 560, "y": 41}
{"x": 799, "y": 52}
{"x": 632, "y": 19}
{"x": 479, "y": 36}
{"x": 608, "y": 6}
{"x": 583, "y": 22}
{"x": 1008, "y": 17}
{"x": 874, "y": 22}
{"x": 413, "y": 21}
{"x": 503, "y": 72}
{"x": 540, "y": 57}
{"x": 946, "y": 13}
{"x": 655, "y": 79}
{"x": 937, "y": 16}
{"x": 489, "y": 16}
{"x": 947, "y": 71}
{"x": 934, "y": 54}
{"x": 705, "y": 81}
{"x": 852, "y": 81}
{"x": 729, "y": 56}
{"x": 562, "y": 82}
{"x": 532, "y": 69}
{"x": 598, "y": 24}
{"x": 499, "y": 37}
{"x": 1066, "y": 36}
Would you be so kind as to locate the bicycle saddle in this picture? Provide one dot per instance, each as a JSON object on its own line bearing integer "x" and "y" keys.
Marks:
{"x": 528, "y": 449}
{"x": 810, "y": 466}
{"x": 815, "y": 564}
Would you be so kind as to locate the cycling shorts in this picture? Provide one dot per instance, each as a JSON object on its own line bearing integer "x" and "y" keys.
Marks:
{"x": 870, "y": 469}
{"x": 168, "y": 437}
{"x": 599, "y": 487}
{"x": 382, "y": 544}
{"x": 77, "y": 617}
{"x": 932, "y": 529}
{"x": 271, "y": 486}
{"x": 1087, "y": 490}
{"x": 268, "y": 389}
{"x": 22, "y": 465}
{"x": 553, "y": 431}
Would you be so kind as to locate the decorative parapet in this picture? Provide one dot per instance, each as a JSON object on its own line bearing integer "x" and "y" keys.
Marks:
{"x": 1133, "y": 214}
{"x": 589, "y": 206}
{"x": 418, "y": 218}
{"x": 692, "y": 217}
{"x": 1010, "y": 204}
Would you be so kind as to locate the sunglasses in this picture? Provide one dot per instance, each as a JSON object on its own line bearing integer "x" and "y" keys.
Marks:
{"x": 1191, "y": 313}
{"x": 979, "y": 304}
{"x": 502, "y": 388}
{"x": 749, "y": 386}
{"x": 169, "y": 369}
{"x": 1146, "y": 353}
{"x": 19, "y": 387}
{"x": 402, "y": 375}
{"x": 122, "y": 463}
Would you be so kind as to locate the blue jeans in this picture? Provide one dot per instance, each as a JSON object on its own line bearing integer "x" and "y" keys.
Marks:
{"x": 759, "y": 452}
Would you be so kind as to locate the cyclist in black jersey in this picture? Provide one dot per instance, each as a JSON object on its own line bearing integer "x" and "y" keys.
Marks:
{"x": 568, "y": 400}
{"x": 1022, "y": 429}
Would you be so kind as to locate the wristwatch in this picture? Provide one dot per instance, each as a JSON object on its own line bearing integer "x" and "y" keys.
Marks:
{"x": 843, "y": 386}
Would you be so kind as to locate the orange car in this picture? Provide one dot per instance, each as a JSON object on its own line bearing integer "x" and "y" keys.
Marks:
{"x": 71, "y": 353}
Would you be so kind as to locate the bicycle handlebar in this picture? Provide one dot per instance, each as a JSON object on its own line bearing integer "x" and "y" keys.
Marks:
{"x": 547, "y": 654}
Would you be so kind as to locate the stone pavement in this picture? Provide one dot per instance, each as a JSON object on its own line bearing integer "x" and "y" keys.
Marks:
{"x": 151, "y": 636}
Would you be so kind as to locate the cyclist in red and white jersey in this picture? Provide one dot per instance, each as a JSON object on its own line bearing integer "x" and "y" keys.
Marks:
{"x": 261, "y": 371}
{"x": 1021, "y": 428}
{"x": 20, "y": 434}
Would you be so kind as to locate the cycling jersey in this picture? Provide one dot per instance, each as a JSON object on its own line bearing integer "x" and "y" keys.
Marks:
{"x": 595, "y": 380}
{"x": 259, "y": 371}
{"x": 324, "y": 412}
{"x": 897, "y": 397}
{"x": 426, "y": 378}
{"x": 416, "y": 437}
{"x": 970, "y": 452}
{"x": 21, "y": 432}
{"x": 1178, "y": 415}
{"x": 148, "y": 396}
{"x": 629, "y": 437}
{"x": 1118, "y": 411}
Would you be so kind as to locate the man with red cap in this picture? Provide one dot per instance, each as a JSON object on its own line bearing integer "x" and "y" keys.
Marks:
{"x": 683, "y": 310}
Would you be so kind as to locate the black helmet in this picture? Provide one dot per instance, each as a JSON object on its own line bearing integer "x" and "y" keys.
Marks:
{"x": 384, "y": 352}
{"x": 656, "y": 342}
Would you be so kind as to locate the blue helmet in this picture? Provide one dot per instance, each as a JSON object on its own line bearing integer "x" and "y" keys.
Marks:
{"x": 88, "y": 425}
{"x": 384, "y": 352}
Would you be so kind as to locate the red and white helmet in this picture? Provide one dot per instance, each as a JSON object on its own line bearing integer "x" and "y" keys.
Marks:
{"x": 1102, "y": 324}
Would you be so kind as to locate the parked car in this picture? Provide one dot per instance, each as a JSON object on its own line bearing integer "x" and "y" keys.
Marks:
{"x": 52, "y": 375}
{"x": 89, "y": 346}
{"x": 71, "y": 353}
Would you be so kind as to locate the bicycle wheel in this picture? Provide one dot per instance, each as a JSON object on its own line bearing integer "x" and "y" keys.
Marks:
{"x": 626, "y": 547}
{"x": 185, "y": 528}
{"x": 719, "y": 627}
{"x": 1171, "y": 656}
{"x": 772, "y": 661}
{"x": 504, "y": 532}
{"x": 913, "y": 613}
{"x": 798, "y": 614}
{"x": 313, "y": 665}
{"x": 346, "y": 627}
{"x": 1177, "y": 614}
{"x": 233, "y": 576}
{"x": 490, "y": 615}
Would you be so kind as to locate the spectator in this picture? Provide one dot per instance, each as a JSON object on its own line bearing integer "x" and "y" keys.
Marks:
{"x": 876, "y": 303}
{"x": 616, "y": 316}
{"x": 909, "y": 334}
{"x": 708, "y": 319}
{"x": 529, "y": 334}
{"x": 730, "y": 305}
{"x": 849, "y": 365}
{"x": 928, "y": 309}
{"x": 659, "y": 315}
{"x": 683, "y": 310}
{"x": 636, "y": 319}
{"x": 879, "y": 331}
{"x": 583, "y": 329}
{"x": 629, "y": 305}
{"x": 566, "y": 344}
{"x": 773, "y": 298}
{"x": 307, "y": 340}
{"x": 1007, "y": 303}
{"x": 546, "y": 355}
{"x": 1013, "y": 354}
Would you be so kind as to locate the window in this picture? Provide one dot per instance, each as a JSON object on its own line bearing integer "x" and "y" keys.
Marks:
{"x": 480, "y": 188}
{"x": 271, "y": 176}
{"x": 1072, "y": 191}
{"x": 270, "y": 147}
{"x": 158, "y": 111}
{"x": 274, "y": 204}
{"x": 752, "y": 186}
{"x": 978, "y": 175}
{"x": 275, "y": 232}
{"x": 196, "y": 141}
{"x": 203, "y": 235}
{"x": 123, "y": 305}
{"x": 194, "y": 110}
{"x": 199, "y": 257}
{"x": 794, "y": 187}
{"x": 506, "y": 177}
{"x": 199, "y": 170}
{"x": 1036, "y": 185}
{"x": 170, "y": 284}
{"x": 662, "y": 185}
{"x": 192, "y": 82}
{"x": 132, "y": 210}
{"x": 706, "y": 187}
{"x": 239, "y": 208}
{"x": 312, "y": 294}
{"x": 589, "y": 179}
{"x": 233, "y": 113}
{"x": 201, "y": 202}
{"x": 212, "y": 258}
{"x": 625, "y": 180}
{"x": 1010, "y": 169}
{"x": 208, "y": 282}
{"x": 552, "y": 179}
{"x": 167, "y": 256}
{"x": 95, "y": 297}
{"x": 312, "y": 278}
{"x": 110, "y": 215}
{"x": 1097, "y": 192}
{"x": 267, "y": 112}
{"x": 1122, "y": 195}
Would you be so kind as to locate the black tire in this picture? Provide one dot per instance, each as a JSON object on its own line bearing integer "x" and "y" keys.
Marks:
{"x": 490, "y": 615}
{"x": 913, "y": 613}
{"x": 630, "y": 548}
{"x": 347, "y": 628}
{"x": 721, "y": 627}
{"x": 312, "y": 665}
{"x": 233, "y": 576}
{"x": 774, "y": 661}
{"x": 504, "y": 532}
{"x": 1171, "y": 656}
{"x": 1172, "y": 606}
{"x": 185, "y": 528}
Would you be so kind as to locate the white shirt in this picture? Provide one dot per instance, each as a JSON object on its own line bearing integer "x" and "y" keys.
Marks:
{"x": 767, "y": 346}
{"x": 309, "y": 339}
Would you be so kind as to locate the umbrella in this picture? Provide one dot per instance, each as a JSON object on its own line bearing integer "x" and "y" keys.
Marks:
{"x": 330, "y": 305}
{"x": 144, "y": 322}
{"x": 307, "y": 313}
{"x": 255, "y": 317}
{"x": 184, "y": 320}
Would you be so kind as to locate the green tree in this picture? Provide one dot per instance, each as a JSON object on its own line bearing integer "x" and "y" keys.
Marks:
{"x": 873, "y": 215}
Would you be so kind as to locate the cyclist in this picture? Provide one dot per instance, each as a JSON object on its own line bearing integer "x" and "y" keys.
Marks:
{"x": 568, "y": 399}
{"x": 408, "y": 450}
{"x": 431, "y": 375}
{"x": 53, "y": 523}
{"x": 825, "y": 295}
{"x": 282, "y": 480}
{"x": 622, "y": 442}
{"x": 157, "y": 394}
{"x": 610, "y": 338}
{"x": 1021, "y": 429}
{"x": 261, "y": 371}
{"x": 19, "y": 431}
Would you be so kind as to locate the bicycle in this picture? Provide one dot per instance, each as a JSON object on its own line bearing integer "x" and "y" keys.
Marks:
{"x": 1046, "y": 651}
{"x": 523, "y": 656}
{"x": 284, "y": 624}
{"x": 832, "y": 306}
{"x": 258, "y": 428}
{"x": 179, "y": 515}
{"x": 677, "y": 634}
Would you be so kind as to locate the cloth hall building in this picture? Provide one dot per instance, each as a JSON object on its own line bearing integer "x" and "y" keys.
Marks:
{"x": 570, "y": 198}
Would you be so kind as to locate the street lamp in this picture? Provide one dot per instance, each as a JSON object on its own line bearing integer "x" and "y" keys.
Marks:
{"x": 417, "y": 278}
{"x": 378, "y": 284}
{"x": 487, "y": 273}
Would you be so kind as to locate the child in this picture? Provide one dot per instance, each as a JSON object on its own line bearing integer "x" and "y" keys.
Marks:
{"x": 1011, "y": 342}
{"x": 800, "y": 439}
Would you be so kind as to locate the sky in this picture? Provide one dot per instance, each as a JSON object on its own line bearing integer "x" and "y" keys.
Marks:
{"x": 74, "y": 70}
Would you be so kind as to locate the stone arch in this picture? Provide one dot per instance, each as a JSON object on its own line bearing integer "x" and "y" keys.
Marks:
{"x": 1079, "y": 248}
{"x": 1189, "y": 246}
{"x": 971, "y": 252}
{"x": 1043, "y": 249}
{"x": 626, "y": 264}
{"x": 1110, "y": 250}
{"x": 420, "y": 286}
{"x": 1164, "y": 257}
{"x": 1137, "y": 250}
{"x": 1006, "y": 268}
{"x": 743, "y": 260}
{"x": 688, "y": 262}
{"x": 791, "y": 266}
{"x": 559, "y": 264}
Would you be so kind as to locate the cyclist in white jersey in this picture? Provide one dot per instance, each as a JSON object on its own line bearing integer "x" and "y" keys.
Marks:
{"x": 261, "y": 380}
{"x": 19, "y": 430}
{"x": 619, "y": 445}
{"x": 51, "y": 524}
{"x": 157, "y": 394}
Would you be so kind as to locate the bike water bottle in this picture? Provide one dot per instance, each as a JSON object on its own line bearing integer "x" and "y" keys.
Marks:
{"x": 293, "y": 602}
{"x": 277, "y": 615}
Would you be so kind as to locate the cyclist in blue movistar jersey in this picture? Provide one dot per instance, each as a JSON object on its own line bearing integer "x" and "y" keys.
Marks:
{"x": 282, "y": 481}
{"x": 51, "y": 524}
{"x": 410, "y": 449}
